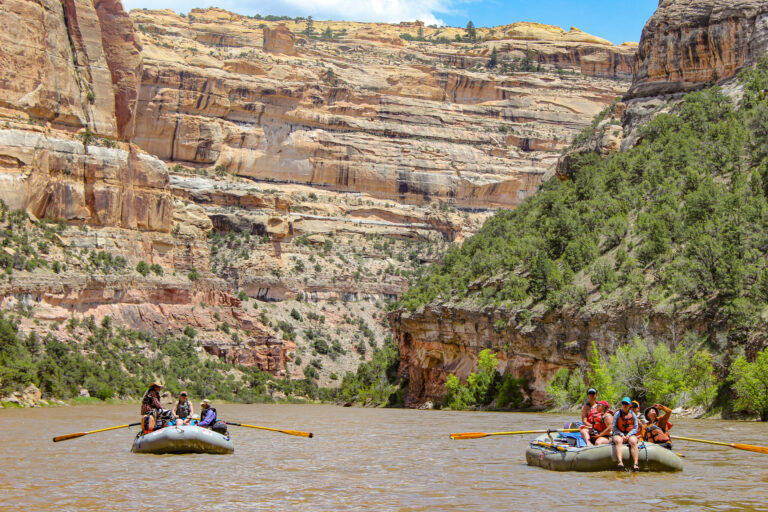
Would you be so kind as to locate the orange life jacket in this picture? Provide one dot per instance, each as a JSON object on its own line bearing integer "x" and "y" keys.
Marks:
{"x": 625, "y": 423}
{"x": 655, "y": 434}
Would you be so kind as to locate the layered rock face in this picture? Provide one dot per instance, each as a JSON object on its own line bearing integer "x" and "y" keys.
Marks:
{"x": 70, "y": 84}
{"x": 684, "y": 46}
{"x": 688, "y": 43}
{"x": 367, "y": 111}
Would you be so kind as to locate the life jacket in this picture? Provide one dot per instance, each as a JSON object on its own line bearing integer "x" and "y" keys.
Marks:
{"x": 205, "y": 413}
{"x": 655, "y": 434}
{"x": 183, "y": 409}
{"x": 625, "y": 423}
{"x": 597, "y": 420}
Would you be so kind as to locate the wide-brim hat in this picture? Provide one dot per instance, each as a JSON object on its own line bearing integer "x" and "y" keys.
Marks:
{"x": 205, "y": 402}
{"x": 156, "y": 383}
{"x": 648, "y": 409}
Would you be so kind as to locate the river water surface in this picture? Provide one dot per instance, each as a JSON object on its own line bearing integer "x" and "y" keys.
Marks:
{"x": 360, "y": 459}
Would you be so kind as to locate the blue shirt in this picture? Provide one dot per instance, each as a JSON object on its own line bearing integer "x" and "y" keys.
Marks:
{"x": 207, "y": 418}
{"x": 618, "y": 432}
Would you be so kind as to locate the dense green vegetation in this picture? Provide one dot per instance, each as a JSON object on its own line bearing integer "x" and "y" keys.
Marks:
{"x": 484, "y": 387}
{"x": 682, "y": 217}
{"x": 646, "y": 371}
{"x": 679, "y": 221}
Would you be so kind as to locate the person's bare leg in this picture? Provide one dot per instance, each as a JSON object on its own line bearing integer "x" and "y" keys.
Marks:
{"x": 634, "y": 451}
{"x": 619, "y": 442}
{"x": 602, "y": 440}
{"x": 585, "y": 435}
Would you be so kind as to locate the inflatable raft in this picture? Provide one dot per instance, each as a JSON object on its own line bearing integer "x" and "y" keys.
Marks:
{"x": 182, "y": 439}
{"x": 560, "y": 454}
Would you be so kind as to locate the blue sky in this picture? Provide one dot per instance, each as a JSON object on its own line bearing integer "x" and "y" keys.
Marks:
{"x": 615, "y": 20}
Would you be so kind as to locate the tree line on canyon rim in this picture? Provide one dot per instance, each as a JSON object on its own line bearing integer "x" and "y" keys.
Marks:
{"x": 680, "y": 221}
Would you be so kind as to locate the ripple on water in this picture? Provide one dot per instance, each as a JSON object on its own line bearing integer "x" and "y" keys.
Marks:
{"x": 361, "y": 459}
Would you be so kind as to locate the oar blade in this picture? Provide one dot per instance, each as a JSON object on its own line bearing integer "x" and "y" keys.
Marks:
{"x": 468, "y": 435}
{"x": 69, "y": 436}
{"x": 751, "y": 448}
{"x": 297, "y": 433}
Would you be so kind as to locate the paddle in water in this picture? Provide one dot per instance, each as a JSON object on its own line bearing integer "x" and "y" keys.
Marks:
{"x": 66, "y": 437}
{"x": 289, "y": 432}
{"x": 739, "y": 446}
{"x": 478, "y": 435}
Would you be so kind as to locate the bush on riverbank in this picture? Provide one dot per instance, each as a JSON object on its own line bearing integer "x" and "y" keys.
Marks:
{"x": 646, "y": 371}
{"x": 483, "y": 387}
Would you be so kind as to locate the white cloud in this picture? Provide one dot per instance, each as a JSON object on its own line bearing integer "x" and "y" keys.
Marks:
{"x": 390, "y": 11}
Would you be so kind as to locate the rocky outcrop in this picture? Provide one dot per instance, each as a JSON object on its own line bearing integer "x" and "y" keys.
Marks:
{"x": 279, "y": 40}
{"x": 352, "y": 114}
{"x": 442, "y": 339}
{"x": 65, "y": 179}
{"x": 689, "y": 43}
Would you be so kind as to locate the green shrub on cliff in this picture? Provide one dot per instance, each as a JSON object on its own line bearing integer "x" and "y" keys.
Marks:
{"x": 483, "y": 387}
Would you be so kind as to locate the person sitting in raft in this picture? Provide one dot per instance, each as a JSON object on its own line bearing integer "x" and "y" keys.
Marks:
{"x": 587, "y": 409}
{"x": 183, "y": 409}
{"x": 602, "y": 423}
{"x": 625, "y": 427}
{"x": 657, "y": 430}
{"x": 154, "y": 416}
{"x": 640, "y": 418}
{"x": 207, "y": 415}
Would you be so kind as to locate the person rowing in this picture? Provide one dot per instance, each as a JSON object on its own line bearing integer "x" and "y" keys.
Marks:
{"x": 625, "y": 427}
{"x": 657, "y": 430}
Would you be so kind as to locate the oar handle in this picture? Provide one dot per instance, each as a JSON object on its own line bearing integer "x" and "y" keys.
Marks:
{"x": 478, "y": 435}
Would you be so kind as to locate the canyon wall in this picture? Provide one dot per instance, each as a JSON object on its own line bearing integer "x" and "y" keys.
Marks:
{"x": 366, "y": 111}
{"x": 686, "y": 45}
{"x": 283, "y": 187}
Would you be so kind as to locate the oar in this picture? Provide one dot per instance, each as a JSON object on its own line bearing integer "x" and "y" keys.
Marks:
{"x": 289, "y": 432}
{"x": 478, "y": 435}
{"x": 748, "y": 447}
{"x": 81, "y": 434}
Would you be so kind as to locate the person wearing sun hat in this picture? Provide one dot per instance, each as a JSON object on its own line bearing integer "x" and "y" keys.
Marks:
{"x": 657, "y": 430}
{"x": 625, "y": 428}
{"x": 151, "y": 399}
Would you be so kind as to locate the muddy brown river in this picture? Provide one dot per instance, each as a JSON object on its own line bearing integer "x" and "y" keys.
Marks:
{"x": 360, "y": 459}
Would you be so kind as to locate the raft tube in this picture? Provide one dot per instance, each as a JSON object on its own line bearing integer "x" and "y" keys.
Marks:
{"x": 182, "y": 439}
{"x": 557, "y": 455}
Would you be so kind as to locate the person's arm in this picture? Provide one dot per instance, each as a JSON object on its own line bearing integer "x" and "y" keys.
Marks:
{"x": 584, "y": 414}
{"x": 615, "y": 425}
{"x": 665, "y": 418}
{"x": 191, "y": 410}
{"x": 608, "y": 425}
{"x": 635, "y": 425}
{"x": 156, "y": 401}
{"x": 206, "y": 419}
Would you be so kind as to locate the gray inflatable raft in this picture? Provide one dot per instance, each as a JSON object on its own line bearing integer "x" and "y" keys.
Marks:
{"x": 560, "y": 456}
{"x": 182, "y": 439}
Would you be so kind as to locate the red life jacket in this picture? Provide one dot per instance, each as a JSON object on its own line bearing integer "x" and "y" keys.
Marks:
{"x": 597, "y": 420}
{"x": 655, "y": 434}
{"x": 625, "y": 423}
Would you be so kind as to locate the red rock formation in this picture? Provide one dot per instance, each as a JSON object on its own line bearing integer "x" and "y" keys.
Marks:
{"x": 688, "y": 43}
{"x": 124, "y": 58}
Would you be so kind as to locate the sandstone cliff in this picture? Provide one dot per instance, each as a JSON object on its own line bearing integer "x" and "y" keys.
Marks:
{"x": 686, "y": 45}
{"x": 367, "y": 111}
